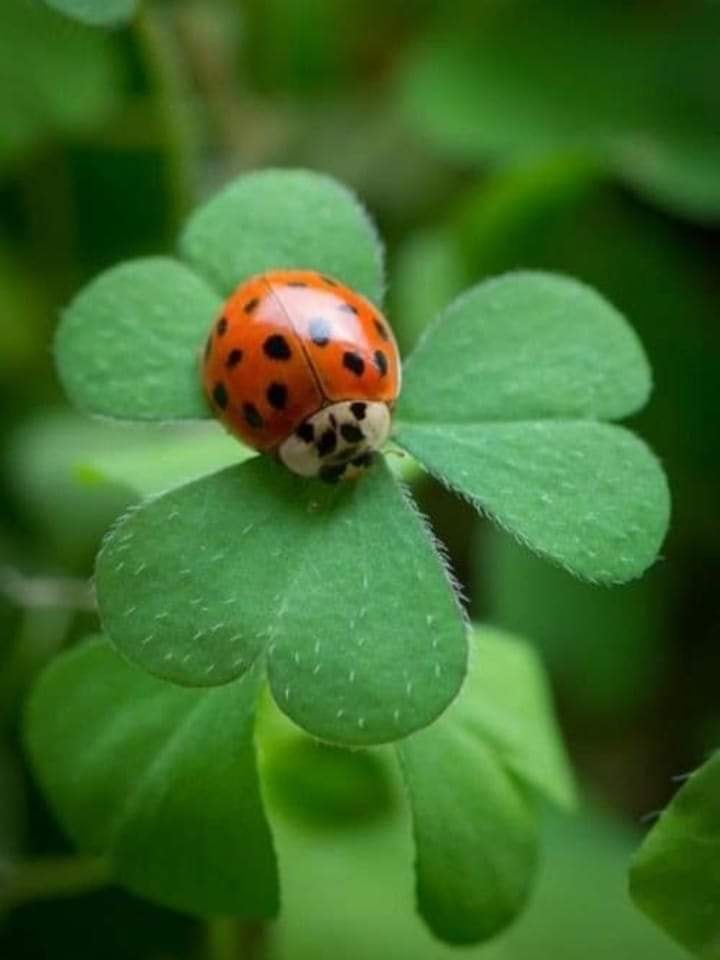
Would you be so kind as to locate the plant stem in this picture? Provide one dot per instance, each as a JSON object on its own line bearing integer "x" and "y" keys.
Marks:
{"x": 57, "y": 877}
{"x": 170, "y": 91}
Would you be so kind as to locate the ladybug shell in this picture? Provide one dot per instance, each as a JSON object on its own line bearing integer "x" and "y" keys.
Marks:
{"x": 289, "y": 343}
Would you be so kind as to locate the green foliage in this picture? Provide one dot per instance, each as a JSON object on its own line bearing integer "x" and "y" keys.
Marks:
{"x": 253, "y": 567}
{"x": 159, "y": 778}
{"x": 33, "y": 103}
{"x": 284, "y": 218}
{"x": 452, "y": 780}
{"x": 675, "y": 875}
{"x": 507, "y": 703}
{"x": 524, "y": 444}
{"x": 579, "y": 907}
{"x": 625, "y": 92}
{"x": 129, "y": 344}
{"x": 428, "y": 274}
{"x": 323, "y": 786}
{"x": 284, "y": 568}
{"x": 348, "y": 663}
{"x": 72, "y": 476}
{"x": 589, "y": 496}
{"x": 478, "y": 768}
{"x": 162, "y": 781}
{"x": 96, "y": 12}
{"x": 534, "y": 346}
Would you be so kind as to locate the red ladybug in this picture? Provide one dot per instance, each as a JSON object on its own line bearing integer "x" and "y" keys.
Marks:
{"x": 302, "y": 367}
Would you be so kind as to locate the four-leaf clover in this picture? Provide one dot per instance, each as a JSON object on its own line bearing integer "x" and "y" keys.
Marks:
{"x": 341, "y": 593}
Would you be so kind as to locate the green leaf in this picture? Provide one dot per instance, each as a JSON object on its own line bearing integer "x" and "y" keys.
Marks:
{"x": 525, "y": 346}
{"x": 129, "y": 343}
{"x": 475, "y": 829}
{"x": 198, "y": 584}
{"x": 588, "y": 496}
{"x": 645, "y": 110}
{"x": 470, "y": 777}
{"x": 541, "y": 352}
{"x": 160, "y": 779}
{"x": 494, "y": 93}
{"x": 475, "y": 834}
{"x": 96, "y": 12}
{"x": 284, "y": 218}
{"x": 506, "y": 701}
{"x": 675, "y": 875}
{"x": 57, "y": 77}
{"x": 677, "y": 170}
{"x": 579, "y": 907}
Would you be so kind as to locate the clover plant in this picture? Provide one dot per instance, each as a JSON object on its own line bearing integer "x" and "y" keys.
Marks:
{"x": 333, "y": 607}
{"x": 675, "y": 874}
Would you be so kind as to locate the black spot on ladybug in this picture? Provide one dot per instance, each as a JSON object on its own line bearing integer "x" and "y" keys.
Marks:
{"x": 277, "y": 395}
{"x": 251, "y": 305}
{"x": 364, "y": 460}
{"x": 252, "y": 415}
{"x": 306, "y": 432}
{"x": 332, "y": 474}
{"x": 222, "y": 326}
{"x": 233, "y": 358}
{"x": 296, "y": 283}
{"x": 381, "y": 329}
{"x": 358, "y": 410}
{"x": 208, "y": 348}
{"x": 354, "y": 363}
{"x": 381, "y": 362}
{"x": 351, "y": 433}
{"x": 348, "y": 308}
{"x": 220, "y": 395}
{"x": 319, "y": 330}
{"x": 328, "y": 280}
{"x": 327, "y": 443}
{"x": 277, "y": 348}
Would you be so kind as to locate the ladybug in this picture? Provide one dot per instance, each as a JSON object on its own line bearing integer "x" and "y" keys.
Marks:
{"x": 300, "y": 366}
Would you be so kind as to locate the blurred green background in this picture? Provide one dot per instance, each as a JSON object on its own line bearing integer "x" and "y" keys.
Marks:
{"x": 581, "y": 136}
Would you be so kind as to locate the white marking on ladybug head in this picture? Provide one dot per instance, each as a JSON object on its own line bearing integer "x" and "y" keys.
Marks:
{"x": 337, "y": 441}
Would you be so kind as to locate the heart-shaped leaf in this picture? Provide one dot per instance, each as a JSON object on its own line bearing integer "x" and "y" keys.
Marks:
{"x": 475, "y": 833}
{"x": 284, "y": 218}
{"x": 525, "y": 346}
{"x": 129, "y": 343}
{"x": 470, "y": 779}
{"x": 541, "y": 353}
{"x": 197, "y": 584}
{"x": 588, "y": 496}
{"x": 159, "y": 778}
{"x": 675, "y": 876}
